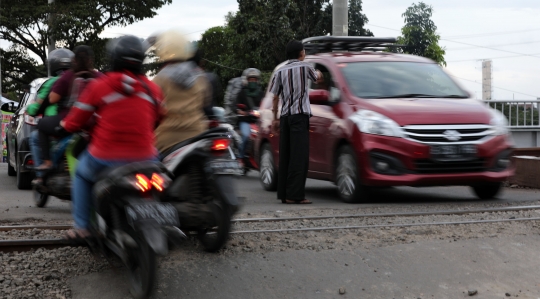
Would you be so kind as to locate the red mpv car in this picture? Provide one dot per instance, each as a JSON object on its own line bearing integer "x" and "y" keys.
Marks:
{"x": 384, "y": 119}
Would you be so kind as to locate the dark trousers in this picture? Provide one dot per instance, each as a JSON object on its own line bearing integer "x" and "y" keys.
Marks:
{"x": 293, "y": 156}
{"x": 46, "y": 127}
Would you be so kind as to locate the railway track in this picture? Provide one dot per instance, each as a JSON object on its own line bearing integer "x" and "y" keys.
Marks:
{"x": 27, "y": 245}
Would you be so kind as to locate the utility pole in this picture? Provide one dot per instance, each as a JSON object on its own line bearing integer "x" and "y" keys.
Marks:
{"x": 52, "y": 41}
{"x": 340, "y": 18}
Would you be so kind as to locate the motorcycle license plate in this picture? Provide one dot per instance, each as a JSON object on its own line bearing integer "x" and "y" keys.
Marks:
{"x": 225, "y": 167}
{"x": 163, "y": 213}
{"x": 453, "y": 152}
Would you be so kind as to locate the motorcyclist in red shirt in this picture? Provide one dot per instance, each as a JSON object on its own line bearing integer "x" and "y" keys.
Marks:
{"x": 128, "y": 108}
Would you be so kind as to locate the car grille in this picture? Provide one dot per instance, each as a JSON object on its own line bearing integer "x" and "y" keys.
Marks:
{"x": 448, "y": 134}
{"x": 425, "y": 166}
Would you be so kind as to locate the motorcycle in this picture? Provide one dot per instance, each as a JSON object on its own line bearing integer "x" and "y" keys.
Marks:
{"x": 253, "y": 116}
{"x": 130, "y": 222}
{"x": 57, "y": 181}
{"x": 204, "y": 190}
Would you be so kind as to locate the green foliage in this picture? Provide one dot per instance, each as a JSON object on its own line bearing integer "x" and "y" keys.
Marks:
{"x": 257, "y": 34}
{"x": 24, "y": 23}
{"x": 419, "y": 34}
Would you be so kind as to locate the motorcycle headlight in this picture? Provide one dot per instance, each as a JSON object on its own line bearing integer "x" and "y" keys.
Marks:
{"x": 371, "y": 122}
{"x": 499, "y": 122}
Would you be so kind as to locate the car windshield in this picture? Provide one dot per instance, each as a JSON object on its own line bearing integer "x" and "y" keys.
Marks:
{"x": 400, "y": 80}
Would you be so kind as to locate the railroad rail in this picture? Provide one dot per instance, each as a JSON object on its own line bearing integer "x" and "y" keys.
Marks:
{"x": 27, "y": 245}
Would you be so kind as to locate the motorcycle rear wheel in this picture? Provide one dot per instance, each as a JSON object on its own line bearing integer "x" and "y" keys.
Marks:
{"x": 142, "y": 268}
{"x": 214, "y": 238}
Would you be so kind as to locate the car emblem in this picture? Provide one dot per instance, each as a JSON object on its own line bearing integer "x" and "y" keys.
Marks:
{"x": 452, "y": 135}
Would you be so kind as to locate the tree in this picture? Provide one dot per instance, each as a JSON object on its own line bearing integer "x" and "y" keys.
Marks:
{"x": 257, "y": 34}
{"x": 419, "y": 34}
{"x": 24, "y": 23}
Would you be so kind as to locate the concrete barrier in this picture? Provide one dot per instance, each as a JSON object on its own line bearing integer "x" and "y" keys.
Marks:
{"x": 527, "y": 163}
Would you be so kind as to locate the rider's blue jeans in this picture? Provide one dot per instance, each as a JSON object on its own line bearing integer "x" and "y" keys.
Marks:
{"x": 85, "y": 176}
{"x": 35, "y": 149}
{"x": 245, "y": 131}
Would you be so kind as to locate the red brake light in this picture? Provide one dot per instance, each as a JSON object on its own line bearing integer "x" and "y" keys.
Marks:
{"x": 143, "y": 183}
{"x": 30, "y": 162}
{"x": 220, "y": 144}
{"x": 158, "y": 182}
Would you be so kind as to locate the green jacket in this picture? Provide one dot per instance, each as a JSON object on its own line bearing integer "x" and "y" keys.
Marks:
{"x": 43, "y": 92}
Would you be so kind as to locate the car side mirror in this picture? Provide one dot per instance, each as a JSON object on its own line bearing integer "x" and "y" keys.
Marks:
{"x": 319, "y": 96}
{"x": 8, "y": 107}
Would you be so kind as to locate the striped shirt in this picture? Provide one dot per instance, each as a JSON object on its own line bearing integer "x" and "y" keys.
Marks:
{"x": 290, "y": 83}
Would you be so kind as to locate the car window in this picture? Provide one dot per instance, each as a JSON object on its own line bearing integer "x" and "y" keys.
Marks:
{"x": 328, "y": 84}
{"x": 397, "y": 79}
{"x": 328, "y": 80}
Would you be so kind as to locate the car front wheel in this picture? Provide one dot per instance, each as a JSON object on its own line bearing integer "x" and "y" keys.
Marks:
{"x": 487, "y": 190}
{"x": 11, "y": 170}
{"x": 268, "y": 173}
{"x": 24, "y": 179}
{"x": 347, "y": 178}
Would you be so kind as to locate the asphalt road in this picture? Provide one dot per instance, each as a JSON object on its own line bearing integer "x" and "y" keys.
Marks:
{"x": 18, "y": 204}
{"x": 428, "y": 269}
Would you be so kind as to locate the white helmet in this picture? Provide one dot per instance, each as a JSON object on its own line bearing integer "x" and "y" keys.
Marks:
{"x": 250, "y": 73}
{"x": 172, "y": 45}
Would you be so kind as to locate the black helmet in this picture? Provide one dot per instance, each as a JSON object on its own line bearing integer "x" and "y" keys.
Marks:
{"x": 126, "y": 53}
{"x": 59, "y": 60}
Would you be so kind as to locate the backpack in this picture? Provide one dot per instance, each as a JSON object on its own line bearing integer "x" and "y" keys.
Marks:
{"x": 231, "y": 95}
{"x": 79, "y": 83}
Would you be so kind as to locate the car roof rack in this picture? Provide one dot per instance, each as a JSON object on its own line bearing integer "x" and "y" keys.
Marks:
{"x": 325, "y": 44}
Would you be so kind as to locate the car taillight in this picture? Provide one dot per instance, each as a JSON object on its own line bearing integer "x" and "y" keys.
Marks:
{"x": 31, "y": 120}
{"x": 220, "y": 144}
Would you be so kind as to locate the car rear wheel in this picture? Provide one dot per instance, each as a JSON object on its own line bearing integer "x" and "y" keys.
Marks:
{"x": 11, "y": 170}
{"x": 347, "y": 178}
{"x": 24, "y": 179}
{"x": 487, "y": 190}
{"x": 268, "y": 171}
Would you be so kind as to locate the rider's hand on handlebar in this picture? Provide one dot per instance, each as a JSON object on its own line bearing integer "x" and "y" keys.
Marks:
{"x": 241, "y": 112}
{"x": 275, "y": 126}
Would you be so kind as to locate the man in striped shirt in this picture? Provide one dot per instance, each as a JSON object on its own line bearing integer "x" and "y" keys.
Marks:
{"x": 290, "y": 84}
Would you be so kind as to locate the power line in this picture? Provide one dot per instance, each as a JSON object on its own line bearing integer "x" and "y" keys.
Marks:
{"x": 228, "y": 67}
{"x": 500, "y": 45}
{"x": 500, "y": 57}
{"x": 526, "y": 94}
{"x": 494, "y": 49}
{"x": 490, "y": 34}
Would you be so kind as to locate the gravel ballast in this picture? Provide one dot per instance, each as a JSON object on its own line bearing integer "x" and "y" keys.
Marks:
{"x": 44, "y": 273}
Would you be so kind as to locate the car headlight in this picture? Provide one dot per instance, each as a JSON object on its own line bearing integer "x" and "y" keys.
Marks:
{"x": 499, "y": 122}
{"x": 371, "y": 122}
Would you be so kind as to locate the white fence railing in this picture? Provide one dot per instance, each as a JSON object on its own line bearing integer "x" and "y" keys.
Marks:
{"x": 521, "y": 114}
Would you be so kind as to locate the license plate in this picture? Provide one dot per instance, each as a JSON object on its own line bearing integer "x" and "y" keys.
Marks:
{"x": 225, "y": 167}
{"x": 163, "y": 213}
{"x": 453, "y": 152}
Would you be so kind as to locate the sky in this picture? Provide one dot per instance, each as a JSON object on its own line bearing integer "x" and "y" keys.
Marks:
{"x": 470, "y": 30}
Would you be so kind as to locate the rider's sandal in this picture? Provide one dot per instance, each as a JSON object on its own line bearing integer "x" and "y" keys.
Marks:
{"x": 77, "y": 236}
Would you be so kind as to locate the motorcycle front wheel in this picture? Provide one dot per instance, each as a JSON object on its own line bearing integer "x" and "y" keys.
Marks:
{"x": 142, "y": 268}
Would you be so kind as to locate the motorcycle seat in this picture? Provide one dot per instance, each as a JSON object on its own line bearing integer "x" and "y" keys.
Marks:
{"x": 206, "y": 134}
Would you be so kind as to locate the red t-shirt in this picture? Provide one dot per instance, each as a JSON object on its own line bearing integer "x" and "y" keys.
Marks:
{"x": 127, "y": 114}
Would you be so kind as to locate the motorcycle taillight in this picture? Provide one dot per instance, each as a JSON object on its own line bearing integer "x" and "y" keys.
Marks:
{"x": 220, "y": 144}
{"x": 144, "y": 184}
{"x": 31, "y": 120}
